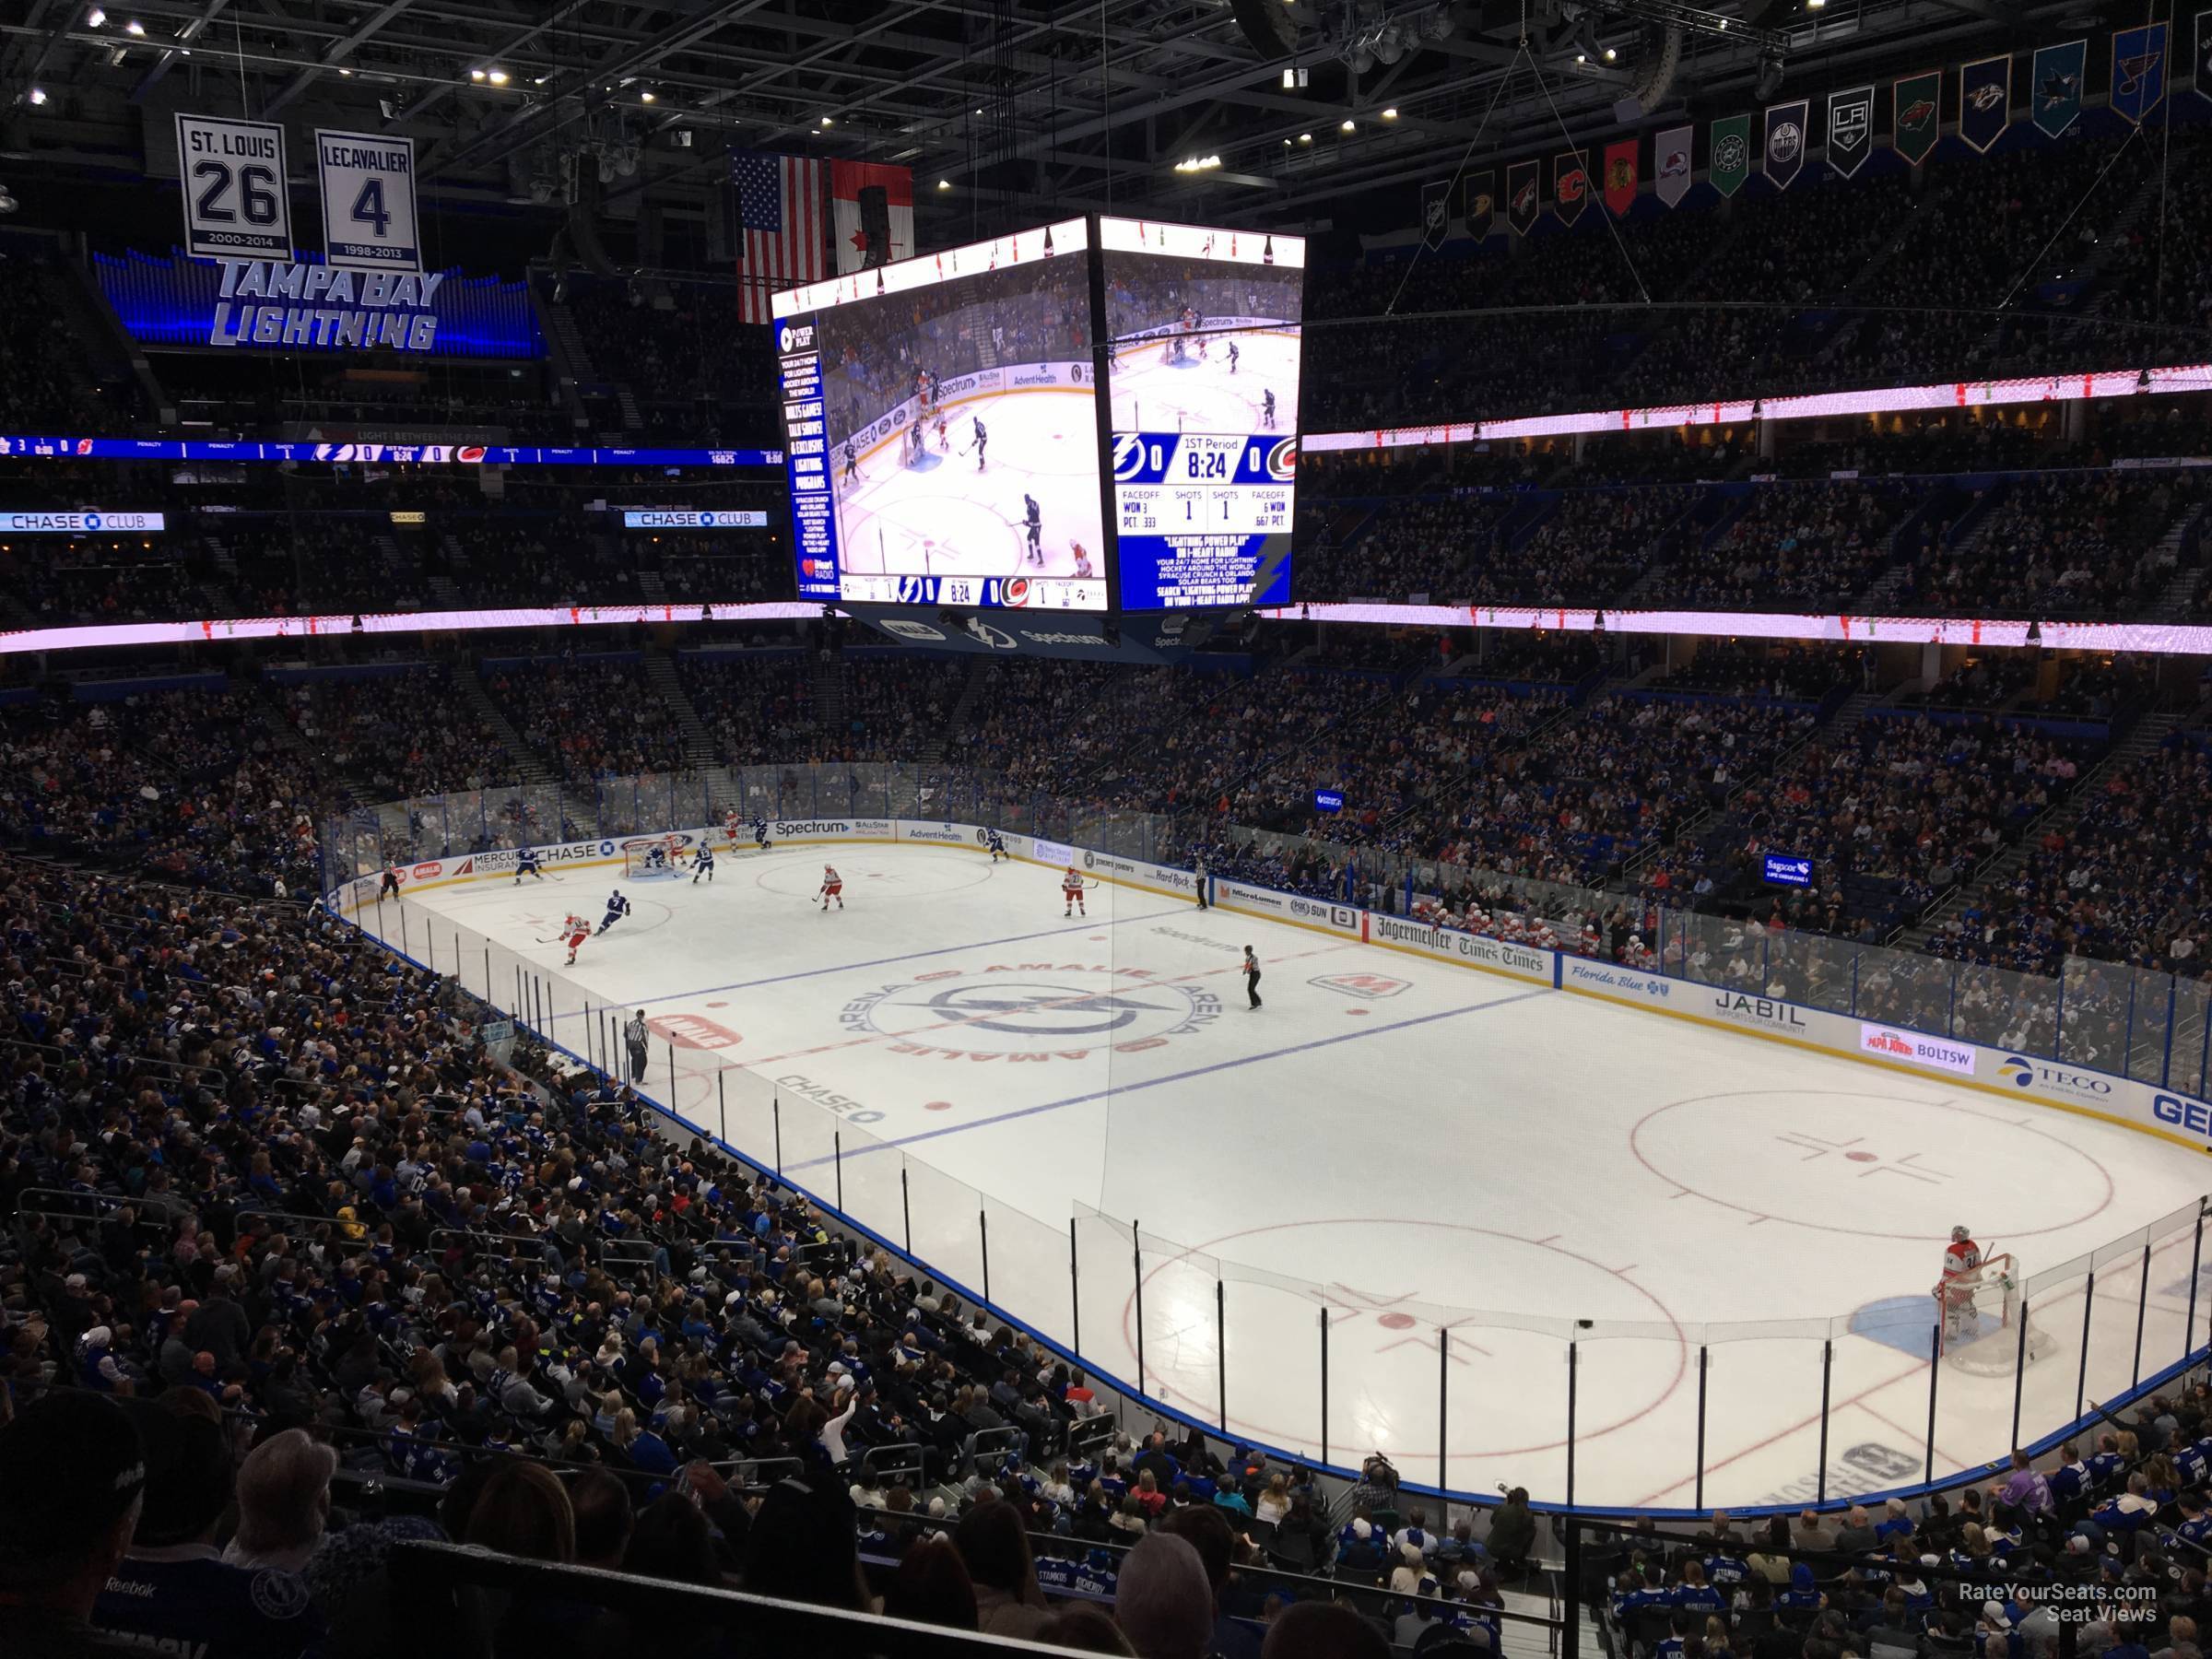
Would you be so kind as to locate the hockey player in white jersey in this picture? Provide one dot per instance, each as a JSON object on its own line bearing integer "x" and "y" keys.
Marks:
{"x": 1961, "y": 1257}
{"x": 833, "y": 887}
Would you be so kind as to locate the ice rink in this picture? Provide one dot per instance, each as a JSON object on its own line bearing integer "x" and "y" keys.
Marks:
{"x": 942, "y": 516}
{"x": 1455, "y": 1168}
{"x": 1151, "y": 393}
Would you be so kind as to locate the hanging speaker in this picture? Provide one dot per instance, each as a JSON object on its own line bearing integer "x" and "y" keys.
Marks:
{"x": 1271, "y": 26}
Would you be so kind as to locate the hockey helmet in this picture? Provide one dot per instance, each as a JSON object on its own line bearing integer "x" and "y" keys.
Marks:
{"x": 1959, "y": 1235}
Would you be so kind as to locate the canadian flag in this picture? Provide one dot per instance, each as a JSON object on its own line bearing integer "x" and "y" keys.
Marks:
{"x": 872, "y": 209}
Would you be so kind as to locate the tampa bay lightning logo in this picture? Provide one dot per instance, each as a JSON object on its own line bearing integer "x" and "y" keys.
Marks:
{"x": 1128, "y": 456}
{"x": 1065, "y": 1012}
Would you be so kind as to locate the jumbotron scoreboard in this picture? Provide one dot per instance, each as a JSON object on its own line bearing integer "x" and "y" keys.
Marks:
{"x": 1098, "y": 415}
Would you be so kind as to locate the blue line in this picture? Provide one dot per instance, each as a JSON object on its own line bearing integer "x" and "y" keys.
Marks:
{"x": 912, "y": 956}
{"x": 1197, "y": 1071}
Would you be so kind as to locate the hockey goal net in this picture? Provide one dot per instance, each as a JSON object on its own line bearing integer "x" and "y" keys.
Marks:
{"x": 1980, "y": 1317}
{"x": 637, "y": 859}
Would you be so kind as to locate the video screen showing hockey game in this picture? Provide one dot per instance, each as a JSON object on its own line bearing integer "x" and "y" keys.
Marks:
{"x": 941, "y": 429}
{"x": 1202, "y": 391}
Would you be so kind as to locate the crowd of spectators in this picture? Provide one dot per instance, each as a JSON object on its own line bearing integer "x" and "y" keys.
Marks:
{"x": 1807, "y": 546}
{"x": 2064, "y": 544}
{"x": 756, "y": 706}
{"x": 396, "y": 737}
{"x": 184, "y": 783}
{"x": 590, "y": 717}
{"x": 1590, "y": 550}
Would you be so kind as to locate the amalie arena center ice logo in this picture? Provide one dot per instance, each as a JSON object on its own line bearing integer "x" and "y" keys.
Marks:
{"x": 1023, "y": 1012}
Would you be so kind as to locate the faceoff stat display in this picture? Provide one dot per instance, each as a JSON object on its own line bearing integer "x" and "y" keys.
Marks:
{"x": 1195, "y": 508}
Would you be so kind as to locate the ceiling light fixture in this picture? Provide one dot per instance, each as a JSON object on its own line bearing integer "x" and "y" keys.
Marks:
{"x": 1391, "y": 113}
{"x": 38, "y": 95}
{"x": 497, "y": 77}
{"x": 1305, "y": 137}
{"x": 944, "y": 183}
{"x": 95, "y": 17}
{"x": 134, "y": 28}
{"x": 475, "y": 74}
{"x": 644, "y": 98}
{"x": 1347, "y": 125}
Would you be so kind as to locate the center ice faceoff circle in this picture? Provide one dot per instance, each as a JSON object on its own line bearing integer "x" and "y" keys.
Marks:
{"x": 1030, "y": 1011}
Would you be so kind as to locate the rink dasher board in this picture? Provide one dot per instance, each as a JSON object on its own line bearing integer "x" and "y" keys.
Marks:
{"x": 2146, "y": 1107}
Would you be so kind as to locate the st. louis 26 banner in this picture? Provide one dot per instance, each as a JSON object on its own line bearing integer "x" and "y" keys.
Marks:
{"x": 235, "y": 203}
{"x": 369, "y": 220}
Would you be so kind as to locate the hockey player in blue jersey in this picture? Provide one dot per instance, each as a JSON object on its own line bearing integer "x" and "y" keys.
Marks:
{"x": 996, "y": 845}
{"x": 1267, "y": 410}
{"x": 525, "y": 863}
{"x": 618, "y": 907}
{"x": 702, "y": 864}
{"x": 760, "y": 834}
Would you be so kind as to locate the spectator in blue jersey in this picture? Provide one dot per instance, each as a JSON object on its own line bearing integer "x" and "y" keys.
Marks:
{"x": 172, "y": 1591}
{"x": 1804, "y": 1595}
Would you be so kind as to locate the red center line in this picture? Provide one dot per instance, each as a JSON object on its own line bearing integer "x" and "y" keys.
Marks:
{"x": 1061, "y": 1002}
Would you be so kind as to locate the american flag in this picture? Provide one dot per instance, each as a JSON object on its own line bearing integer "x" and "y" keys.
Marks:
{"x": 779, "y": 213}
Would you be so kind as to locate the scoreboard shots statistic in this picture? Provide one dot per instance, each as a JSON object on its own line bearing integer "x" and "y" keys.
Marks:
{"x": 1202, "y": 394}
{"x": 941, "y": 425}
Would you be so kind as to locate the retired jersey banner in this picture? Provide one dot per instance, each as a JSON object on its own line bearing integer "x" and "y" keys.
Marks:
{"x": 368, "y": 202}
{"x": 1570, "y": 186}
{"x": 2204, "y": 54}
{"x": 1729, "y": 164}
{"x": 1436, "y": 212}
{"x": 2138, "y": 71}
{"x": 1670, "y": 165}
{"x": 1985, "y": 100}
{"x": 1620, "y": 175}
{"x": 1916, "y": 115}
{"x": 235, "y": 204}
{"x": 1523, "y": 198}
{"x": 1785, "y": 142}
{"x": 1480, "y": 202}
{"x": 2054, "y": 86}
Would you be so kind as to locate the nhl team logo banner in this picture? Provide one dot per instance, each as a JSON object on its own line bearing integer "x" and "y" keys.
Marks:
{"x": 1916, "y": 115}
{"x": 1479, "y": 205}
{"x": 1436, "y": 212}
{"x": 1621, "y": 176}
{"x": 1524, "y": 199}
{"x": 235, "y": 203}
{"x": 1849, "y": 129}
{"x": 1670, "y": 165}
{"x": 1729, "y": 163}
{"x": 1570, "y": 186}
{"x": 2055, "y": 86}
{"x": 1785, "y": 142}
{"x": 2204, "y": 54}
{"x": 1985, "y": 100}
{"x": 2138, "y": 71}
{"x": 368, "y": 202}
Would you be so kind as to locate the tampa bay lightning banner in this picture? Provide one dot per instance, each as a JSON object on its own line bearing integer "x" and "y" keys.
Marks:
{"x": 1985, "y": 100}
{"x": 2138, "y": 71}
{"x": 2054, "y": 86}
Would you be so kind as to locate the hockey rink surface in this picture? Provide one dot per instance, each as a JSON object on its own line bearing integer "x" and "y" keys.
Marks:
{"x": 943, "y": 516}
{"x": 1412, "y": 1147}
{"x": 1152, "y": 393}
